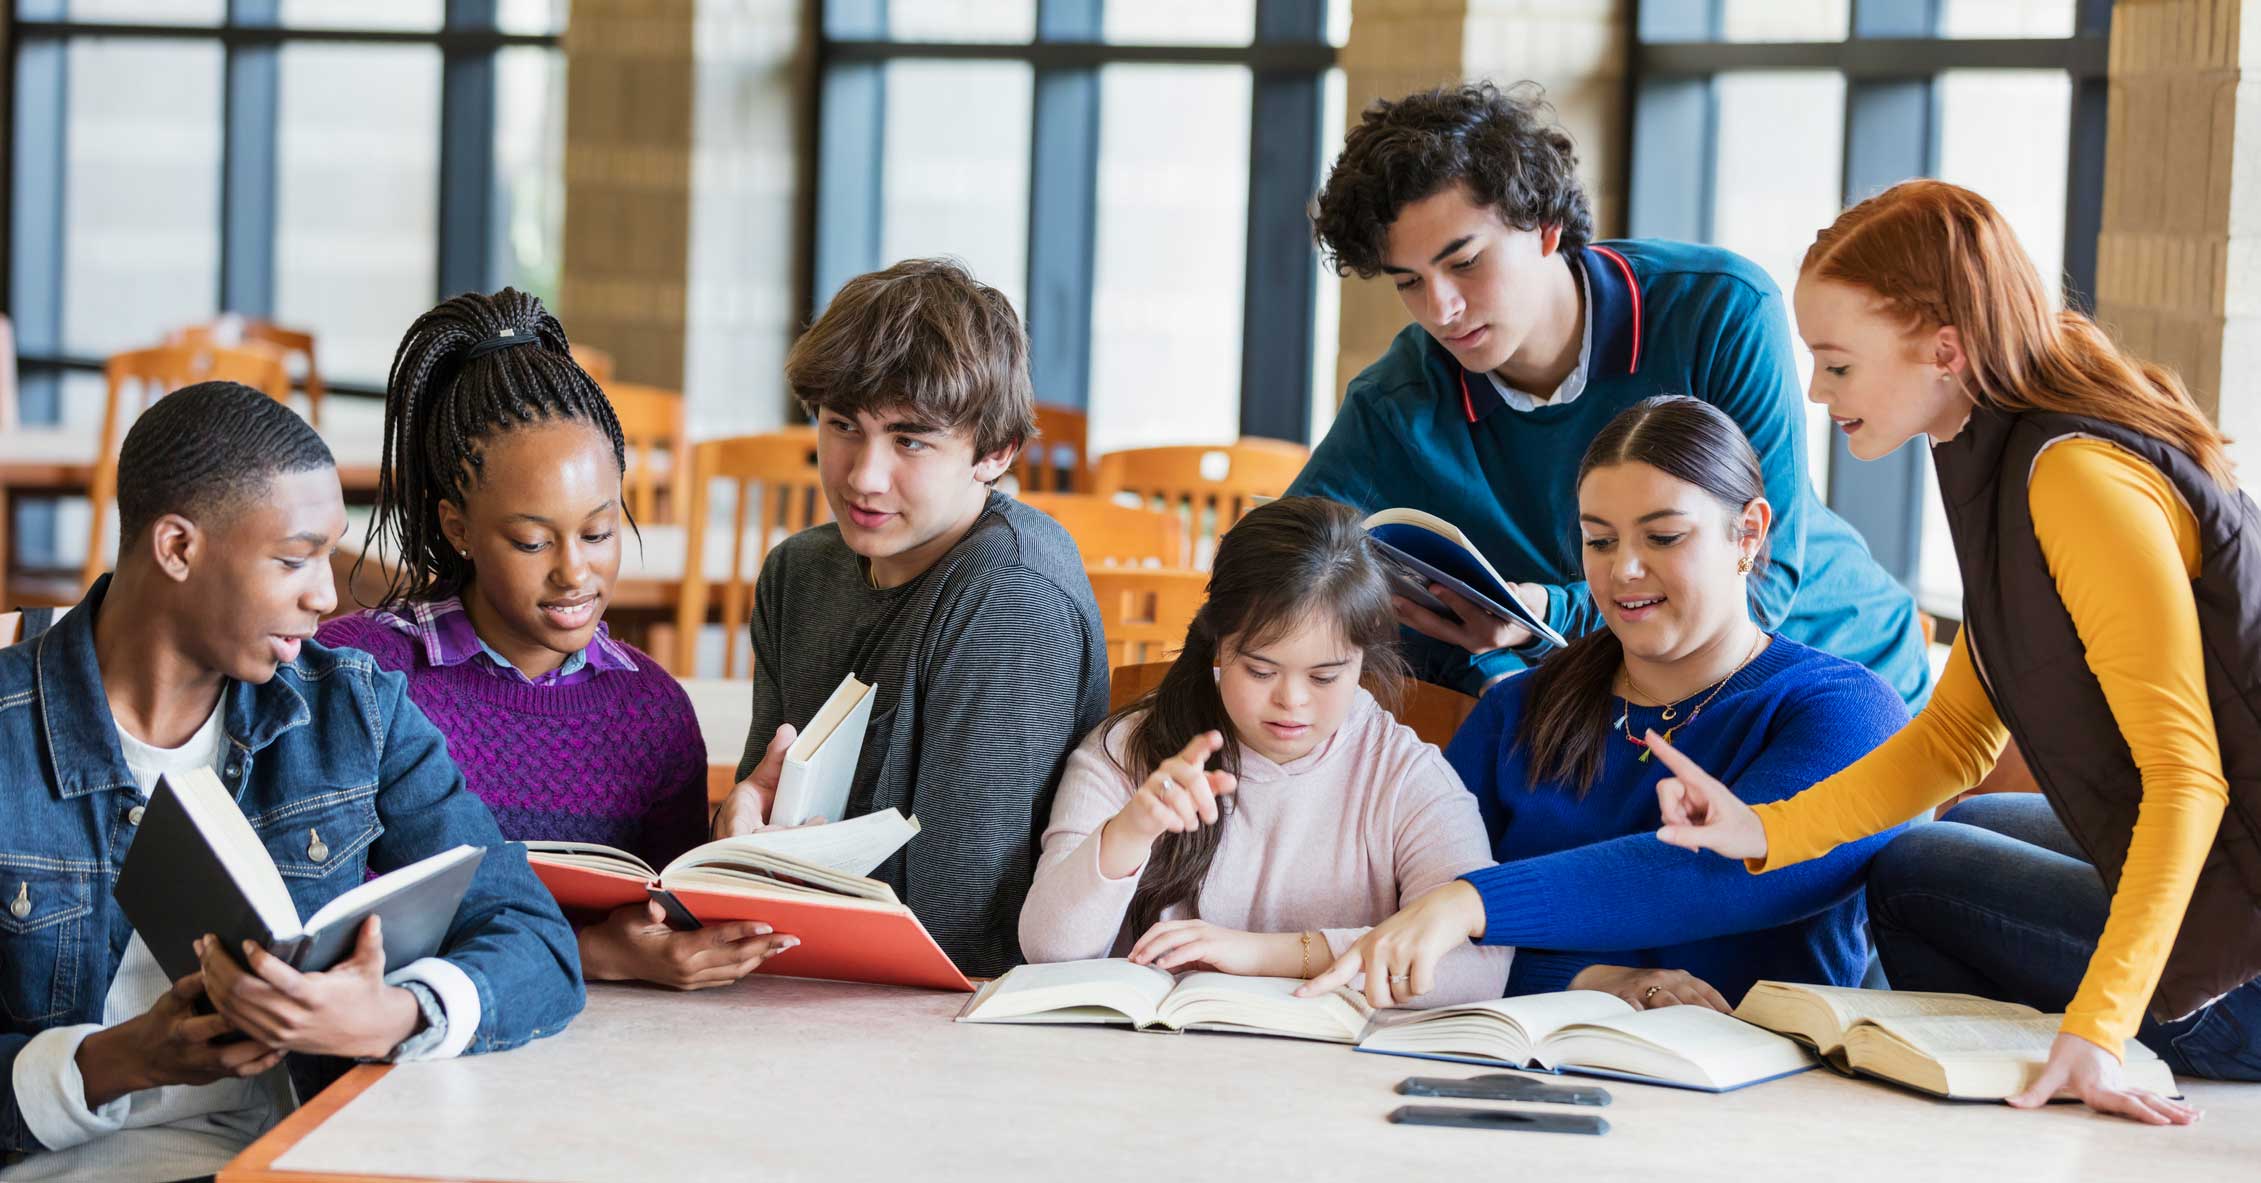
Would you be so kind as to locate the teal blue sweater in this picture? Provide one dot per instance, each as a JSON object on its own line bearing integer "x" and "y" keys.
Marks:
{"x": 1417, "y": 430}
{"x": 1583, "y": 879}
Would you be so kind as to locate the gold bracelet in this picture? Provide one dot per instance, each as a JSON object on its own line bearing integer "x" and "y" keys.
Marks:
{"x": 1306, "y": 935}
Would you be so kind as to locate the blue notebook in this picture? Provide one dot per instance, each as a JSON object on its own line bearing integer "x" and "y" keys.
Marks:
{"x": 1421, "y": 549}
{"x": 1591, "y": 1033}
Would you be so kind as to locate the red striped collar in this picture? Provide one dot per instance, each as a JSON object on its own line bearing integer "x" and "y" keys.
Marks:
{"x": 1614, "y": 304}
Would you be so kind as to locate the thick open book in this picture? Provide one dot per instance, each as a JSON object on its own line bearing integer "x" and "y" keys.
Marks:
{"x": 1594, "y": 1033}
{"x": 820, "y": 767}
{"x": 1114, "y": 991}
{"x": 196, "y": 866}
{"x": 1422, "y": 548}
{"x": 809, "y": 882}
{"x": 1948, "y": 1045}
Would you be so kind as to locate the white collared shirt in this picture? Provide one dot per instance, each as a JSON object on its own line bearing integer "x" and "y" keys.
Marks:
{"x": 1572, "y": 385}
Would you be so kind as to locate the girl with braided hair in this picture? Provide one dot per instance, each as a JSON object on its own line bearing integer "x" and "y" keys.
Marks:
{"x": 500, "y": 492}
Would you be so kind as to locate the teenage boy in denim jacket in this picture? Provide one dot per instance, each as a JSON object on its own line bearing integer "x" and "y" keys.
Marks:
{"x": 197, "y": 653}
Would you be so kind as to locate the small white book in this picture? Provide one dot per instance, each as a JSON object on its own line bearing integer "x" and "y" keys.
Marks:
{"x": 820, "y": 767}
{"x": 1594, "y": 1033}
{"x": 1115, "y": 991}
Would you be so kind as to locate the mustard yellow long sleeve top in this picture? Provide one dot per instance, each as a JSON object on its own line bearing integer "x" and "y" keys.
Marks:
{"x": 2123, "y": 549}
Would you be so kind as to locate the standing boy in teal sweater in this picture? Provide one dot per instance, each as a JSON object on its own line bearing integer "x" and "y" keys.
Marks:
{"x": 1527, "y": 337}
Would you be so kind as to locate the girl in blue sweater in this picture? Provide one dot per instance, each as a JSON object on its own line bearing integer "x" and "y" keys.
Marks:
{"x": 1673, "y": 521}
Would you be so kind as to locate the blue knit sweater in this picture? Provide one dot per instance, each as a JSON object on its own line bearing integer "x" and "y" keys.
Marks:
{"x": 1584, "y": 880}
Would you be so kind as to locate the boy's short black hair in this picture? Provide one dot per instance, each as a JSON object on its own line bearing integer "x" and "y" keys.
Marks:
{"x": 1504, "y": 145}
{"x": 204, "y": 450}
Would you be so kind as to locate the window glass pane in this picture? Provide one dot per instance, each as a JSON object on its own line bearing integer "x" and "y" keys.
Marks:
{"x": 2005, "y": 134}
{"x": 137, "y": 12}
{"x": 356, "y": 236}
{"x": 2006, "y": 18}
{"x": 1776, "y": 182}
{"x": 141, "y": 191}
{"x": 962, "y": 20}
{"x": 1326, "y": 335}
{"x": 531, "y": 16}
{"x": 1183, "y": 22}
{"x": 529, "y": 169}
{"x": 1173, "y": 239}
{"x": 955, "y": 168}
{"x": 362, "y": 14}
{"x": 1785, "y": 20}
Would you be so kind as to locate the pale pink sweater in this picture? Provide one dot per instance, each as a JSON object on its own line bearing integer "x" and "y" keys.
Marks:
{"x": 1334, "y": 842}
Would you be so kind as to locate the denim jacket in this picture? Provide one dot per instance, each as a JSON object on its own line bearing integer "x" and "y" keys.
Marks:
{"x": 330, "y": 744}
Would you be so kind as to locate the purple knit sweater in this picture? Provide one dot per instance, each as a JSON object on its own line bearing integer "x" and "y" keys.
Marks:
{"x": 617, "y": 759}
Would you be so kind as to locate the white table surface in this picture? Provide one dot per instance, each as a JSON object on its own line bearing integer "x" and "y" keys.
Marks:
{"x": 784, "y": 1079}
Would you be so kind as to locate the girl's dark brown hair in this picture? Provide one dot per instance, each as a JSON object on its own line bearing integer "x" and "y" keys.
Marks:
{"x": 1290, "y": 561}
{"x": 1565, "y": 727}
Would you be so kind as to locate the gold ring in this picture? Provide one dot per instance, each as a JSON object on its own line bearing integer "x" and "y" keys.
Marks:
{"x": 1650, "y": 993}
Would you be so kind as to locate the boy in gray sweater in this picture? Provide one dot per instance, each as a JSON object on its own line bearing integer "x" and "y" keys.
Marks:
{"x": 968, "y": 611}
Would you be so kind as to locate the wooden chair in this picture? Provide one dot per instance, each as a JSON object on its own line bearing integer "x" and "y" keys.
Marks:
{"x": 232, "y": 330}
{"x": 651, "y": 424}
{"x": 1114, "y": 535}
{"x": 1433, "y": 712}
{"x": 1211, "y": 486}
{"x": 1054, "y": 461}
{"x": 778, "y": 493}
{"x": 1144, "y": 613}
{"x": 161, "y": 370}
{"x": 596, "y": 363}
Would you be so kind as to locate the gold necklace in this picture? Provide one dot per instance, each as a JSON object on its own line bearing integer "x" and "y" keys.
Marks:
{"x": 1672, "y": 710}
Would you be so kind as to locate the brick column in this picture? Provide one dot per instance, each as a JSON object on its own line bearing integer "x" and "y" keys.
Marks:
{"x": 1574, "y": 48}
{"x": 2178, "y": 273}
{"x": 684, "y": 178}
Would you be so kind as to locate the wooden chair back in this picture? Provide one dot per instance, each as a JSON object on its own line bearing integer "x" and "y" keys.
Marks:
{"x": 1144, "y": 612}
{"x": 293, "y": 344}
{"x": 596, "y": 363}
{"x": 1433, "y": 712}
{"x": 777, "y": 494}
{"x": 1111, "y": 534}
{"x": 1055, "y": 461}
{"x": 659, "y": 452}
{"x": 139, "y": 377}
{"x": 1211, "y": 487}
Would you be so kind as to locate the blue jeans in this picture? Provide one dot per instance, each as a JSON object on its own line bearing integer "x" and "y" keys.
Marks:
{"x": 1996, "y": 900}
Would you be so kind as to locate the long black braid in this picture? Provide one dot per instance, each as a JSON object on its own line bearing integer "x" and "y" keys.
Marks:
{"x": 442, "y": 404}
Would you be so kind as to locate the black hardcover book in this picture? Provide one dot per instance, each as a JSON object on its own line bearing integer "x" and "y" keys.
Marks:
{"x": 196, "y": 866}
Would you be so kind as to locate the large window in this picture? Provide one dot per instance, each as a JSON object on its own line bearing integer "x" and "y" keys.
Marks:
{"x": 1755, "y": 121}
{"x": 331, "y": 165}
{"x": 1131, "y": 173}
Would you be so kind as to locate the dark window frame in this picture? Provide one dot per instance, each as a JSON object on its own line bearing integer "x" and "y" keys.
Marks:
{"x": 1892, "y": 58}
{"x": 1288, "y": 57}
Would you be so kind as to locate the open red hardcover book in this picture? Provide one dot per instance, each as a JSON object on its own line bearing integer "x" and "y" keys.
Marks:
{"x": 807, "y": 882}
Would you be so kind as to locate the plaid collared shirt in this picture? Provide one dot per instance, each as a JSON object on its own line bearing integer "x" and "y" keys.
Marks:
{"x": 445, "y": 631}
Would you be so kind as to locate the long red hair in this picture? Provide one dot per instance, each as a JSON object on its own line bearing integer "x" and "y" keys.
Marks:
{"x": 1938, "y": 254}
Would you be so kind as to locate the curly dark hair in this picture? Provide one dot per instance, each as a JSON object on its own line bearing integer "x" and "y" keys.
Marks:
{"x": 1505, "y": 145}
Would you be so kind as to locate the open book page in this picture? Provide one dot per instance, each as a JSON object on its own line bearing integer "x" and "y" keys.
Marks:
{"x": 592, "y": 856}
{"x": 1822, "y": 1014}
{"x": 1975, "y": 1057}
{"x": 1266, "y": 1005}
{"x": 1679, "y": 1044}
{"x": 1104, "y": 990}
{"x": 763, "y": 871}
{"x": 1502, "y": 1029}
{"x": 852, "y": 847}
